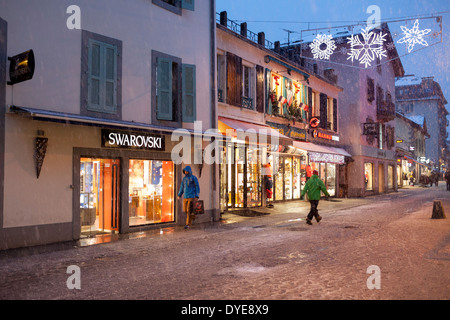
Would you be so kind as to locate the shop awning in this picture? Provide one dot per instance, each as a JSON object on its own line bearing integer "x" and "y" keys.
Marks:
{"x": 76, "y": 119}
{"x": 318, "y": 153}
{"x": 247, "y": 129}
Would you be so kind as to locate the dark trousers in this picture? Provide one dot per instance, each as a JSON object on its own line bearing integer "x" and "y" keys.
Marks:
{"x": 313, "y": 213}
{"x": 448, "y": 185}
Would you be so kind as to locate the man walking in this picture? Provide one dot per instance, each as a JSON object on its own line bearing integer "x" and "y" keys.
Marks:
{"x": 191, "y": 190}
{"x": 313, "y": 187}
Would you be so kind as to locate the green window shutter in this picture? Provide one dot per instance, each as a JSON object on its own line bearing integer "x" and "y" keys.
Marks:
{"x": 164, "y": 89}
{"x": 189, "y": 92}
{"x": 102, "y": 77}
{"x": 188, "y": 4}
{"x": 110, "y": 79}
{"x": 94, "y": 76}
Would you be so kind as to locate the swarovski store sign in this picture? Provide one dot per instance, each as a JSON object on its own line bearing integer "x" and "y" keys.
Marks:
{"x": 132, "y": 140}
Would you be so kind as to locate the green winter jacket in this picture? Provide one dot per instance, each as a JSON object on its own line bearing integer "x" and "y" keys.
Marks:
{"x": 313, "y": 186}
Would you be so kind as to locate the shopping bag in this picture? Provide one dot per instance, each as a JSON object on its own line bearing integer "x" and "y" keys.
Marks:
{"x": 198, "y": 207}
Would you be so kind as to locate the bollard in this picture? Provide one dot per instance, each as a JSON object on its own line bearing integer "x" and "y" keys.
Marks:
{"x": 438, "y": 210}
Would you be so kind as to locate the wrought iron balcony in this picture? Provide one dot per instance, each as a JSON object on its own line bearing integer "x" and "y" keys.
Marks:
{"x": 247, "y": 103}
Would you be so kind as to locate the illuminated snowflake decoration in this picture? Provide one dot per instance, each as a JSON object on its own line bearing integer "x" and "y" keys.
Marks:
{"x": 414, "y": 36}
{"x": 323, "y": 46}
{"x": 367, "y": 50}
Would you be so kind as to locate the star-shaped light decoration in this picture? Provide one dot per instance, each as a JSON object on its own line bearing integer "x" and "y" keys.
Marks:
{"x": 414, "y": 36}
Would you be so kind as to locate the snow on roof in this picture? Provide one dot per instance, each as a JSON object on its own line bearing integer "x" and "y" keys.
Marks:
{"x": 416, "y": 119}
{"x": 408, "y": 81}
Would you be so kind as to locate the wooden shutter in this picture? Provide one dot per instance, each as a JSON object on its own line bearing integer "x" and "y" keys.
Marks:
{"x": 259, "y": 89}
{"x": 188, "y": 4}
{"x": 110, "y": 81}
{"x": 189, "y": 92}
{"x": 310, "y": 103}
{"x": 335, "y": 115}
{"x": 102, "y": 77}
{"x": 164, "y": 89}
{"x": 234, "y": 79}
{"x": 94, "y": 75}
{"x": 323, "y": 111}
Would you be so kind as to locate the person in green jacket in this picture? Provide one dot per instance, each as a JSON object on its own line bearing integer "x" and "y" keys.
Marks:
{"x": 313, "y": 187}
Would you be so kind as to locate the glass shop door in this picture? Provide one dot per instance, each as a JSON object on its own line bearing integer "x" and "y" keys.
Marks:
{"x": 99, "y": 196}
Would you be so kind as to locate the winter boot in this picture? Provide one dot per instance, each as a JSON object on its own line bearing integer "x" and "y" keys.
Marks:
{"x": 318, "y": 218}
{"x": 308, "y": 221}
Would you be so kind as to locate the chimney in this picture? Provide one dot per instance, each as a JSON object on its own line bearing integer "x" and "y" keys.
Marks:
{"x": 223, "y": 18}
{"x": 244, "y": 29}
{"x": 262, "y": 38}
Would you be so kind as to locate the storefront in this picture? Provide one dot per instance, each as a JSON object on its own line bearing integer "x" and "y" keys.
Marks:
{"x": 92, "y": 177}
{"x": 244, "y": 167}
{"x": 126, "y": 185}
{"x": 247, "y": 148}
{"x": 327, "y": 161}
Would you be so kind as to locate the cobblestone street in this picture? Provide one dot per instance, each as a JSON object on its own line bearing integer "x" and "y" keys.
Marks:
{"x": 272, "y": 256}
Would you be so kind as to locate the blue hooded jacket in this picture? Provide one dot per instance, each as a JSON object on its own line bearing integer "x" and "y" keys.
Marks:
{"x": 189, "y": 185}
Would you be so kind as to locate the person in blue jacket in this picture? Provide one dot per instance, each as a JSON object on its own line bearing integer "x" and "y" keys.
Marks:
{"x": 191, "y": 190}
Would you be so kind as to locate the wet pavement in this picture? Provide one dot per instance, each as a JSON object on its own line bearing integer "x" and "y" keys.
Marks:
{"x": 272, "y": 255}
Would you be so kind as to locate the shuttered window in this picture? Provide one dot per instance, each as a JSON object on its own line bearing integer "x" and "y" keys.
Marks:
{"x": 102, "y": 77}
{"x": 188, "y": 4}
{"x": 164, "y": 90}
{"x": 189, "y": 90}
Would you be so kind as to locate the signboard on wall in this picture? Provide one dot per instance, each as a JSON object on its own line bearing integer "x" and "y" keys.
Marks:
{"x": 326, "y": 158}
{"x": 132, "y": 140}
{"x": 370, "y": 129}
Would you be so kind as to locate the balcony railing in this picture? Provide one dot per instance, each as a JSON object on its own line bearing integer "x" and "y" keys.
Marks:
{"x": 247, "y": 103}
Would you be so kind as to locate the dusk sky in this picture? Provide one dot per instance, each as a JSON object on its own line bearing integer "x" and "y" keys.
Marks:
{"x": 273, "y": 18}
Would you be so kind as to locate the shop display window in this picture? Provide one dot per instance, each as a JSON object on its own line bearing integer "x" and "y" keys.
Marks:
{"x": 279, "y": 188}
{"x": 151, "y": 192}
{"x": 368, "y": 176}
{"x": 288, "y": 183}
{"x": 253, "y": 178}
{"x": 296, "y": 177}
{"x": 331, "y": 179}
{"x": 390, "y": 177}
{"x": 240, "y": 163}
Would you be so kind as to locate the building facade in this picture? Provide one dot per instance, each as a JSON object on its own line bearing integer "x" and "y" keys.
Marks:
{"x": 87, "y": 142}
{"x": 261, "y": 90}
{"x": 423, "y": 97}
{"x": 366, "y": 110}
{"x": 411, "y": 136}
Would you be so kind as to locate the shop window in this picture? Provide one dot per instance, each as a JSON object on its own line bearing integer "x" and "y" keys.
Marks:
{"x": 331, "y": 179}
{"x": 151, "y": 192}
{"x": 391, "y": 177}
{"x": 368, "y": 176}
{"x": 288, "y": 181}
